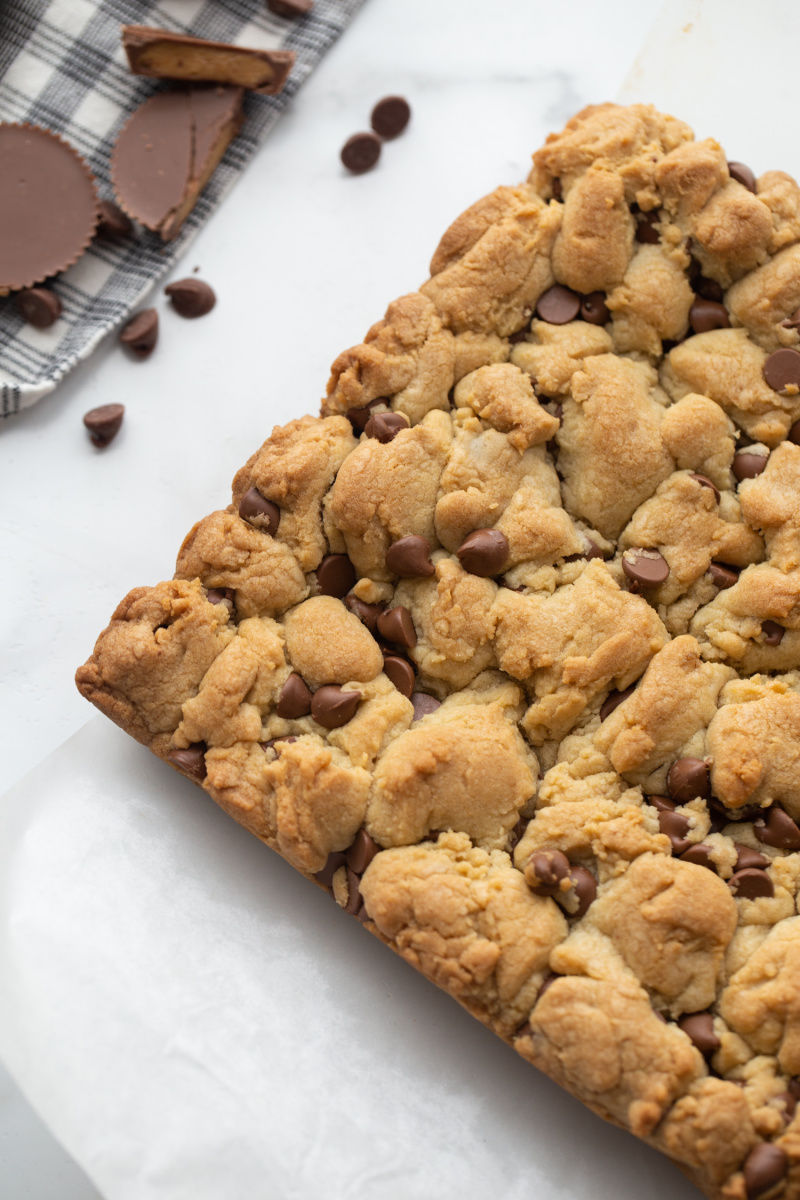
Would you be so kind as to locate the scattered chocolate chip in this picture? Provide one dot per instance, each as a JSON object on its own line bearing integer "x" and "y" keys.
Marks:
{"x": 521, "y": 334}
{"x": 722, "y": 575}
{"x": 39, "y": 306}
{"x": 259, "y": 512}
{"x": 772, "y": 633}
{"x": 367, "y": 613}
{"x": 646, "y": 567}
{"x": 792, "y": 322}
{"x": 354, "y": 900}
{"x": 113, "y": 223}
{"x": 614, "y": 699}
{"x": 192, "y": 760}
{"x": 558, "y": 305}
{"x": 776, "y": 828}
{"x": 688, "y": 779}
{"x": 709, "y": 289}
{"x": 545, "y": 870}
{"x": 226, "y": 596}
{"x": 191, "y": 297}
{"x": 335, "y": 575}
{"x": 700, "y": 855}
{"x": 742, "y": 174}
{"x": 585, "y": 886}
{"x": 331, "y": 707}
{"x": 700, "y": 1028}
{"x": 385, "y": 426}
{"x": 556, "y": 189}
{"x": 104, "y": 423}
{"x": 390, "y": 116}
{"x": 484, "y": 552}
{"x": 592, "y": 550}
{"x": 334, "y": 861}
{"x": 358, "y": 417}
{"x": 401, "y": 674}
{"x": 782, "y": 370}
{"x": 705, "y": 482}
{"x": 751, "y": 884}
{"x": 424, "y": 704}
{"x": 764, "y": 1166}
{"x": 265, "y": 746}
{"x": 794, "y": 434}
{"x": 705, "y": 315}
{"x": 290, "y": 8}
{"x": 360, "y": 152}
{"x": 140, "y": 334}
{"x": 396, "y": 626}
{"x": 410, "y": 557}
{"x": 747, "y": 812}
{"x": 295, "y": 699}
{"x": 746, "y": 857}
{"x": 594, "y": 308}
{"x": 516, "y": 834}
{"x": 675, "y": 825}
{"x": 661, "y": 803}
{"x": 361, "y": 852}
{"x": 747, "y": 465}
{"x": 646, "y": 227}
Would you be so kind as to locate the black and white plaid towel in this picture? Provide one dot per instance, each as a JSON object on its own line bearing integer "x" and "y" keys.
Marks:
{"x": 62, "y": 66}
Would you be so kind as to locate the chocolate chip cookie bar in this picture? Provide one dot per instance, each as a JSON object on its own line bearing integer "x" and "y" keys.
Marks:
{"x": 503, "y": 649}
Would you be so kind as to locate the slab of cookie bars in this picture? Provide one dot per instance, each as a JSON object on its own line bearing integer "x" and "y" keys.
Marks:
{"x": 504, "y": 648}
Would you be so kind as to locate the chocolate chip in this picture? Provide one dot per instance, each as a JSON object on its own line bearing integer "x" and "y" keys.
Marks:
{"x": 545, "y": 870}
{"x": 705, "y": 315}
{"x": 226, "y": 596}
{"x": 723, "y": 576}
{"x": 705, "y": 482}
{"x": 782, "y": 370}
{"x": 367, "y": 613}
{"x": 335, "y": 575}
{"x": 592, "y": 550}
{"x": 521, "y": 334}
{"x": 401, "y": 674}
{"x": 709, "y": 289}
{"x": 700, "y": 855}
{"x": 772, "y": 633}
{"x": 614, "y": 699}
{"x": 688, "y": 779}
{"x": 104, "y": 423}
{"x": 259, "y": 512}
{"x": 776, "y": 828}
{"x": 764, "y": 1166}
{"x": 558, "y": 305}
{"x": 113, "y": 223}
{"x": 424, "y": 704}
{"x": 140, "y": 334}
{"x": 410, "y": 557}
{"x": 334, "y": 861}
{"x": 794, "y": 1087}
{"x": 646, "y": 567}
{"x": 746, "y": 856}
{"x": 792, "y": 322}
{"x": 360, "y": 152}
{"x": 751, "y": 884}
{"x": 265, "y": 746}
{"x": 675, "y": 825}
{"x": 747, "y": 465}
{"x": 331, "y": 707}
{"x": 556, "y": 189}
{"x": 192, "y": 760}
{"x": 700, "y": 1028}
{"x": 646, "y": 231}
{"x": 585, "y": 885}
{"x": 661, "y": 803}
{"x": 39, "y": 306}
{"x": 385, "y": 426}
{"x": 295, "y": 699}
{"x": 594, "y": 308}
{"x": 789, "y": 1103}
{"x": 354, "y": 900}
{"x": 396, "y": 626}
{"x": 484, "y": 552}
{"x": 390, "y": 116}
{"x": 794, "y": 434}
{"x": 517, "y": 833}
{"x": 361, "y": 852}
{"x": 743, "y": 175}
{"x": 358, "y": 417}
{"x": 191, "y": 297}
{"x": 290, "y": 8}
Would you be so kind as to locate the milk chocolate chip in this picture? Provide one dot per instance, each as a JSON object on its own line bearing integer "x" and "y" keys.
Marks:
{"x": 295, "y": 699}
{"x": 484, "y": 552}
{"x": 646, "y": 231}
{"x": 746, "y": 856}
{"x": 336, "y": 575}
{"x": 424, "y": 704}
{"x": 705, "y": 482}
{"x": 782, "y": 370}
{"x": 191, "y": 297}
{"x": 585, "y": 886}
{"x": 614, "y": 699}
{"x": 722, "y": 575}
{"x": 558, "y": 305}
{"x": 331, "y": 707}
{"x": 751, "y": 884}
{"x": 361, "y": 853}
{"x": 385, "y": 426}
{"x": 39, "y": 306}
{"x": 646, "y": 567}
{"x": 113, "y": 223}
{"x": 764, "y": 1166}
{"x": 334, "y": 861}
{"x": 367, "y": 613}
{"x": 359, "y": 417}
{"x": 259, "y": 512}
{"x": 410, "y": 557}
{"x": 705, "y": 315}
{"x": 401, "y": 674}
{"x": 396, "y": 626}
{"x": 290, "y": 8}
{"x": 700, "y": 855}
{"x": 688, "y": 779}
{"x": 594, "y": 309}
{"x": 772, "y": 633}
{"x": 747, "y": 465}
{"x": 776, "y": 828}
{"x": 700, "y": 1028}
{"x": 226, "y": 596}
{"x": 192, "y": 760}
{"x": 675, "y": 825}
{"x": 545, "y": 871}
{"x": 140, "y": 334}
{"x": 361, "y": 152}
{"x": 390, "y": 116}
{"x": 743, "y": 175}
{"x": 104, "y": 423}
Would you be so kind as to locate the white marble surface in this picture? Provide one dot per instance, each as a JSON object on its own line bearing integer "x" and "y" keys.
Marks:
{"x": 304, "y": 258}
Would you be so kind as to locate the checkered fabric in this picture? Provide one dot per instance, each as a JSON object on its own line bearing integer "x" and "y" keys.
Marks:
{"x": 62, "y": 66}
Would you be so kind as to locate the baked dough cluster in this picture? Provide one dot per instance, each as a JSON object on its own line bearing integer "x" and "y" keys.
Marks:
{"x": 503, "y": 648}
